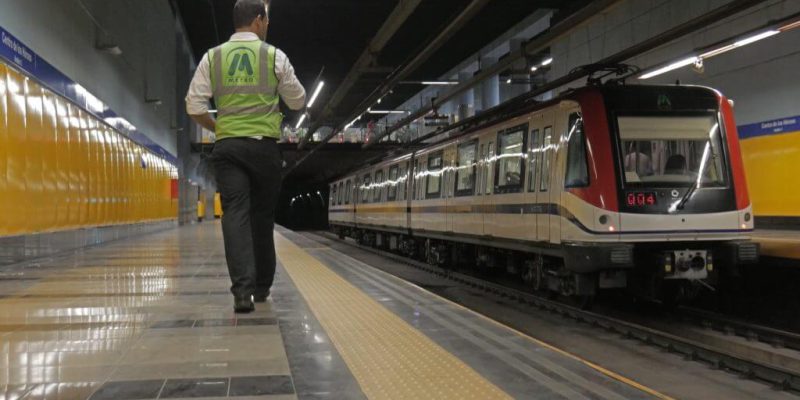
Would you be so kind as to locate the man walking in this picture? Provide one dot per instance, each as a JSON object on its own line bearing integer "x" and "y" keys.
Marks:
{"x": 247, "y": 78}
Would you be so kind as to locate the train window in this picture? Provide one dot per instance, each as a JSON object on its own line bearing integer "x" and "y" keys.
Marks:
{"x": 333, "y": 195}
{"x": 340, "y": 200}
{"x": 535, "y": 156}
{"x": 348, "y": 187}
{"x": 510, "y": 170}
{"x": 378, "y": 189}
{"x": 489, "y": 173}
{"x": 392, "y": 183}
{"x": 433, "y": 187}
{"x": 672, "y": 151}
{"x": 544, "y": 182}
{"x": 466, "y": 168}
{"x": 577, "y": 174}
{"x": 365, "y": 187}
{"x": 401, "y": 183}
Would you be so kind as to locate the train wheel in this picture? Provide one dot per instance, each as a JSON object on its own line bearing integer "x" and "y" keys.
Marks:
{"x": 534, "y": 275}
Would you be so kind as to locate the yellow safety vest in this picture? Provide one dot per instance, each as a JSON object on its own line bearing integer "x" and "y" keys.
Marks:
{"x": 245, "y": 89}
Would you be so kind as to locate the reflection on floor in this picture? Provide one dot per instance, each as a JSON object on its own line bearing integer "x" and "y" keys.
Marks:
{"x": 144, "y": 318}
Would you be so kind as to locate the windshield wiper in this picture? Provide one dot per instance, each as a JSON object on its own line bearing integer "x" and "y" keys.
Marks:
{"x": 703, "y": 166}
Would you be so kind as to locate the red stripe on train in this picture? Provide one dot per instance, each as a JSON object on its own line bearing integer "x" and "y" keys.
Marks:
{"x": 737, "y": 166}
{"x": 602, "y": 190}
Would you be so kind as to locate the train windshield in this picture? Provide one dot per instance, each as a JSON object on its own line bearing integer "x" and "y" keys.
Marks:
{"x": 671, "y": 151}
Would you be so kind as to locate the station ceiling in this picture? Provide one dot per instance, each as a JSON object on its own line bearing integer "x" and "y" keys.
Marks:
{"x": 331, "y": 34}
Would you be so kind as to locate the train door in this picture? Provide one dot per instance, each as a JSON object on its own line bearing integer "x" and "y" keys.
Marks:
{"x": 487, "y": 207}
{"x": 573, "y": 163}
{"x": 560, "y": 136}
{"x": 547, "y": 202}
{"x": 462, "y": 189}
{"x": 448, "y": 189}
{"x": 480, "y": 186}
{"x": 537, "y": 212}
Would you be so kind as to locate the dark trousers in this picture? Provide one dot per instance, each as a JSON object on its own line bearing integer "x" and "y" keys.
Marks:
{"x": 248, "y": 174}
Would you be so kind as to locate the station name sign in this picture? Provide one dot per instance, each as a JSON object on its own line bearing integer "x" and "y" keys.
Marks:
{"x": 17, "y": 52}
{"x": 771, "y": 127}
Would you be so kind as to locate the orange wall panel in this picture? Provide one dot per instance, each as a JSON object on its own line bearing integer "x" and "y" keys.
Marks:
{"x": 16, "y": 221}
{"x": 49, "y": 212}
{"x": 3, "y": 147}
{"x": 63, "y": 168}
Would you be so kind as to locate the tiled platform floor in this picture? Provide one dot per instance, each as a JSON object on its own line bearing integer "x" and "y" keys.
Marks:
{"x": 143, "y": 318}
{"x": 150, "y": 317}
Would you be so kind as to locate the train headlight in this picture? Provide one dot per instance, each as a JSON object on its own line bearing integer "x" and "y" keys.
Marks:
{"x": 709, "y": 263}
{"x": 668, "y": 263}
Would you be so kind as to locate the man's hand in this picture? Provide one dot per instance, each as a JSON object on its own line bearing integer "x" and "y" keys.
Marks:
{"x": 205, "y": 121}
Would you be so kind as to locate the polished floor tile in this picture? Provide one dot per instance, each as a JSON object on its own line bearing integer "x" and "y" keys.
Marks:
{"x": 190, "y": 388}
{"x": 136, "y": 318}
{"x": 261, "y": 385}
{"x": 129, "y": 390}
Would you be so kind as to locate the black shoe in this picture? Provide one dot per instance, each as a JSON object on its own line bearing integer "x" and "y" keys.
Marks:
{"x": 261, "y": 298}
{"x": 243, "y": 305}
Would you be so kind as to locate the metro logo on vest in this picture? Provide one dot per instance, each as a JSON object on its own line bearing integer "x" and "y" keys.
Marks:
{"x": 245, "y": 89}
{"x": 240, "y": 67}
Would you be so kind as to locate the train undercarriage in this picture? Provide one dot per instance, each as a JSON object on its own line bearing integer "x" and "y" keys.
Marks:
{"x": 671, "y": 273}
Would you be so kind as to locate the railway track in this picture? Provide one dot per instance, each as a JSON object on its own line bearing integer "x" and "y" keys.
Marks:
{"x": 722, "y": 345}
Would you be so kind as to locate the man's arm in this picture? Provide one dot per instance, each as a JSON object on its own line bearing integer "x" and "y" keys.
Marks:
{"x": 289, "y": 87}
{"x": 205, "y": 121}
{"x": 198, "y": 95}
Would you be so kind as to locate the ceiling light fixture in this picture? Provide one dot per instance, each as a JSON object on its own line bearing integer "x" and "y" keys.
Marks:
{"x": 755, "y": 38}
{"x": 547, "y": 61}
{"x": 439, "y": 83}
{"x": 533, "y": 69}
{"x": 720, "y": 50}
{"x": 316, "y": 93}
{"x": 386, "y": 112}
{"x": 670, "y": 67}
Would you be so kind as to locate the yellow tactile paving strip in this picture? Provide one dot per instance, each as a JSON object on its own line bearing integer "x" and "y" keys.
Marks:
{"x": 389, "y": 358}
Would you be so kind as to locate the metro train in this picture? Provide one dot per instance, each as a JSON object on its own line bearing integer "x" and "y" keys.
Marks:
{"x": 606, "y": 186}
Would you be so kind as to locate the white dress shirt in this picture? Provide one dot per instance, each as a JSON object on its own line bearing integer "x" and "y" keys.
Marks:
{"x": 289, "y": 88}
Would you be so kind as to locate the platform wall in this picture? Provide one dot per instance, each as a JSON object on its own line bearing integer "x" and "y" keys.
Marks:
{"x": 771, "y": 164}
{"x": 61, "y": 168}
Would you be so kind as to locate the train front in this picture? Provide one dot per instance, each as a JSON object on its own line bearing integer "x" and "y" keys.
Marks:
{"x": 683, "y": 201}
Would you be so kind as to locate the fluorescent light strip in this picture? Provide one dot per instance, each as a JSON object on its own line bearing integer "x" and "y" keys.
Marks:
{"x": 441, "y": 83}
{"x": 316, "y": 94}
{"x": 755, "y": 38}
{"x": 720, "y": 50}
{"x": 673, "y": 66}
{"x": 386, "y": 112}
{"x": 547, "y": 61}
{"x": 302, "y": 119}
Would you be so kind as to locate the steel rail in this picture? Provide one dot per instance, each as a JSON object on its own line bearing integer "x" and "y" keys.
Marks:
{"x": 766, "y": 371}
{"x": 731, "y": 326}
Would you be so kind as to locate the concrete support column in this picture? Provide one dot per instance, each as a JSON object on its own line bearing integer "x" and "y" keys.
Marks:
{"x": 490, "y": 88}
{"x": 521, "y": 69}
{"x": 466, "y": 104}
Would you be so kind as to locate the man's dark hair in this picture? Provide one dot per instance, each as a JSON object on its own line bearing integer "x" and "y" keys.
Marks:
{"x": 245, "y": 11}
